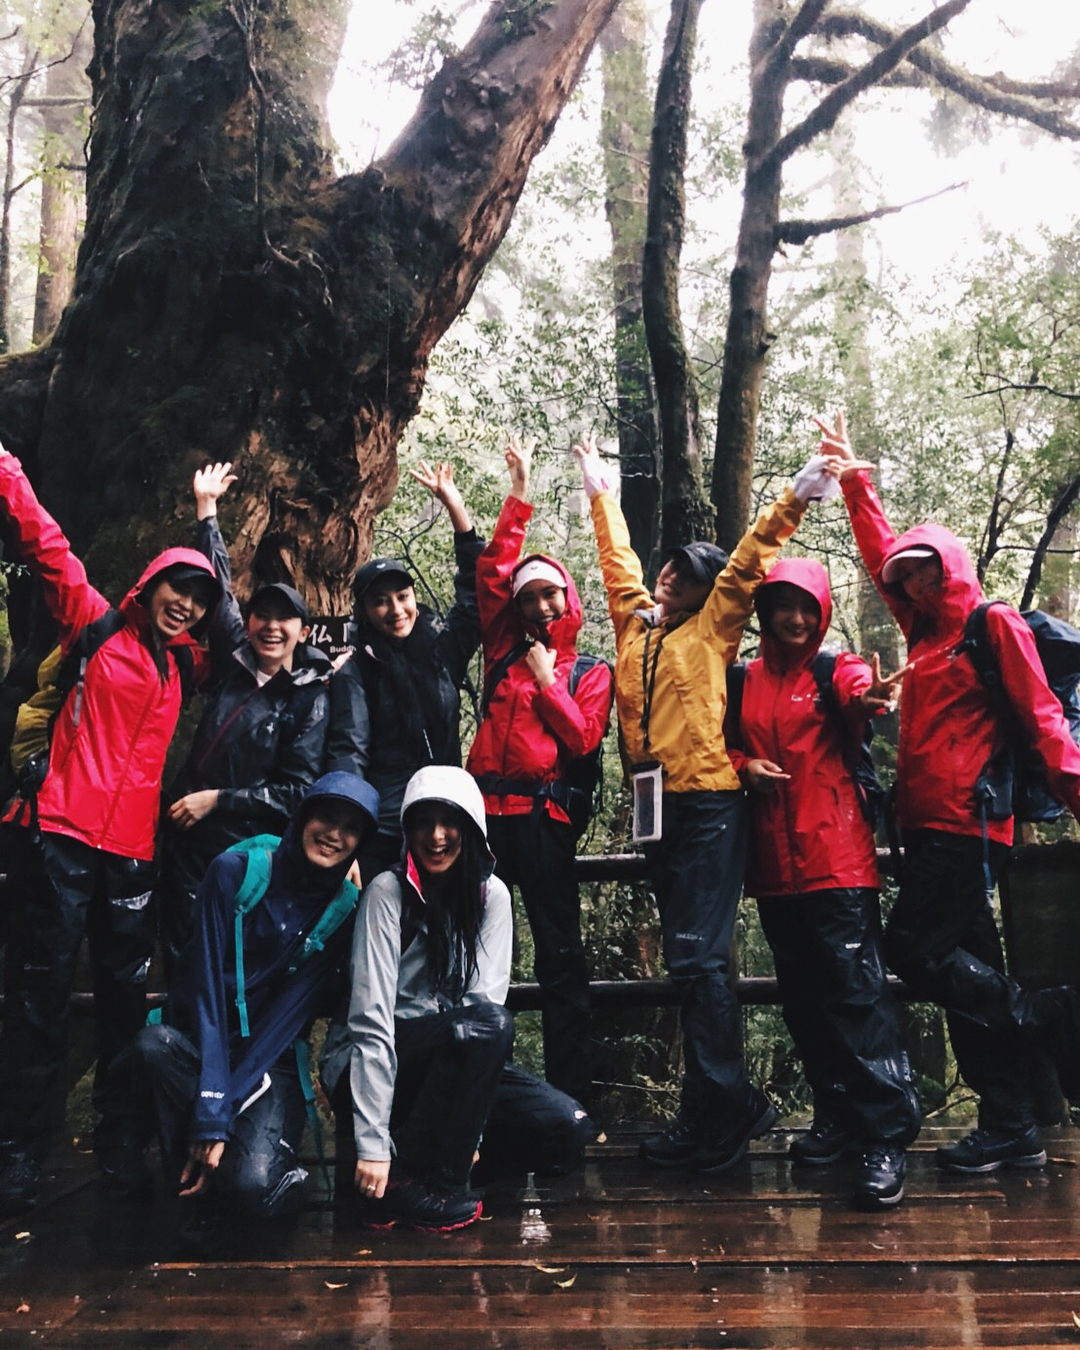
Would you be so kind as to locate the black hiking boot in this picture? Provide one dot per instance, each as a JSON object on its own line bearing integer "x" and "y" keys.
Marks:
{"x": 672, "y": 1146}
{"x": 987, "y": 1150}
{"x": 724, "y": 1150}
{"x": 879, "y": 1180}
{"x": 411, "y": 1204}
{"x": 823, "y": 1143}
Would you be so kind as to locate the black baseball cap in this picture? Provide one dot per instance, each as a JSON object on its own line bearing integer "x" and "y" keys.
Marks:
{"x": 704, "y": 561}
{"x": 287, "y": 593}
{"x": 378, "y": 569}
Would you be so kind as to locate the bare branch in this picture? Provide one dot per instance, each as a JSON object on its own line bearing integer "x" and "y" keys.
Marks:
{"x": 1032, "y": 388}
{"x": 1060, "y": 509}
{"x": 832, "y": 105}
{"x": 992, "y": 93}
{"x": 799, "y": 231}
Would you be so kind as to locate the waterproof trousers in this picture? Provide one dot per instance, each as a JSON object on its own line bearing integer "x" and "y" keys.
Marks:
{"x": 260, "y": 1172}
{"x": 942, "y": 940}
{"x": 826, "y": 947}
{"x": 453, "y": 1086}
{"x": 67, "y": 889}
{"x": 536, "y": 854}
{"x": 697, "y": 874}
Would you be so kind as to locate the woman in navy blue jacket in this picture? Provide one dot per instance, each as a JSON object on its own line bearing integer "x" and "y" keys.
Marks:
{"x": 220, "y": 1067}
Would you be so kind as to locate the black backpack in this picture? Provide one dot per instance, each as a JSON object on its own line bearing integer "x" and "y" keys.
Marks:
{"x": 1013, "y": 782}
{"x": 868, "y": 786}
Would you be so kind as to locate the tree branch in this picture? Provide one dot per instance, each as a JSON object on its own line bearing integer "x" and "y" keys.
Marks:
{"x": 994, "y": 93}
{"x": 802, "y": 24}
{"x": 1060, "y": 509}
{"x": 832, "y": 105}
{"x": 823, "y": 70}
{"x": 799, "y": 231}
{"x": 1032, "y": 388}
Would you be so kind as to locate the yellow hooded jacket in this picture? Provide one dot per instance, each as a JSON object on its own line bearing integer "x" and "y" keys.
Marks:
{"x": 690, "y": 691}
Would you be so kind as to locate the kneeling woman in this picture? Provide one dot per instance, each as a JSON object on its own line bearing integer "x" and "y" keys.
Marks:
{"x": 420, "y": 1069}
{"x": 262, "y": 964}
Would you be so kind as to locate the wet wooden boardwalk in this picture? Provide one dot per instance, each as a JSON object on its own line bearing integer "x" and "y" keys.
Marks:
{"x": 614, "y": 1257}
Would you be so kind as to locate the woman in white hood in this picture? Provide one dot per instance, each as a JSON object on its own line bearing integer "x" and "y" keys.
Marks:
{"x": 427, "y": 1039}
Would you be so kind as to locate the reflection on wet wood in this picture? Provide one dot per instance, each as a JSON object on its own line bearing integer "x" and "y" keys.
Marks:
{"x": 614, "y": 1257}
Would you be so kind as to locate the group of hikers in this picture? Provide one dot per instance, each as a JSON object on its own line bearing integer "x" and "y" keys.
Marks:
{"x": 322, "y": 853}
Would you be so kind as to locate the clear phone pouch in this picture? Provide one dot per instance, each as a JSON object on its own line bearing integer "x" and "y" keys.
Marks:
{"x": 647, "y": 787}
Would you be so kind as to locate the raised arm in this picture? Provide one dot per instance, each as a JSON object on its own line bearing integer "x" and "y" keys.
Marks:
{"x": 873, "y": 533}
{"x": 227, "y": 625}
{"x": 499, "y": 625}
{"x": 72, "y": 601}
{"x": 624, "y": 578}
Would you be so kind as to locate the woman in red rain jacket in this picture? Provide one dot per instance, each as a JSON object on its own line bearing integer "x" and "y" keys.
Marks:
{"x": 532, "y": 730}
{"x": 812, "y": 868}
{"x": 941, "y": 937}
{"x": 91, "y": 854}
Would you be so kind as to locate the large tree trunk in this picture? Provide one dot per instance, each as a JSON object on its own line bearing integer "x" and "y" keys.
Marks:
{"x": 233, "y": 300}
{"x": 684, "y": 513}
{"x": 625, "y": 130}
{"x": 748, "y": 338}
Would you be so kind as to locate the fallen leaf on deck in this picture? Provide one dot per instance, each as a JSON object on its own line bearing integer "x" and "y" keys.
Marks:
{"x": 565, "y": 1284}
{"x": 335, "y": 1286}
{"x": 23, "y": 1307}
{"x": 1076, "y": 1319}
{"x": 548, "y": 1270}
{"x": 364, "y": 1251}
{"x": 22, "y": 1237}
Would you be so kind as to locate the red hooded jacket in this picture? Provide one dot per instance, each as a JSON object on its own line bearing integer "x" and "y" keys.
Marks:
{"x": 530, "y": 733}
{"x": 104, "y": 778}
{"x": 810, "y": 834}
{"x": 948, "y": 724}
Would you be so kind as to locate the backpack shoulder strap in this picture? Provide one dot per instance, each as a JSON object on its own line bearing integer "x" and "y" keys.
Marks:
{"x": 259, "y": 852}
{"x": 823, "y": 669}
{"x": 976, "y": 645}
{"x": 583, "y": 663}
{"x": 333, "y": 916}
{"x": 72, "y": 671}
{"x": 499, "y": 671}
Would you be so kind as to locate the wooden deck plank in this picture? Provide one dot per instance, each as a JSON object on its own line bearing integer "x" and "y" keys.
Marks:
{"x": 757, "y": 1257}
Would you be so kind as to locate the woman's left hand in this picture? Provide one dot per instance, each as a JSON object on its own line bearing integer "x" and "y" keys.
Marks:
{"x": 185, "y": 812}
{"x": 541, "y": 661}
{"x": 204, "y": 1158}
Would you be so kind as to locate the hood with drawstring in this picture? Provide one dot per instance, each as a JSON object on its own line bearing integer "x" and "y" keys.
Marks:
{"x": 809, "y": 576}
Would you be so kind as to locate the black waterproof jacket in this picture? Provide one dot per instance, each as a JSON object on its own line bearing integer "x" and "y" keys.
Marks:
{"x": 365, "y": 713}
{"x": 260, "y": 747}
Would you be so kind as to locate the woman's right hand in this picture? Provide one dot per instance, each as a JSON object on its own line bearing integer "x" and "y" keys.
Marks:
{"x": 371, "y": 1177}
{"x": 765, "y": 776}
{"x": 519, "y": 462}
{"x": 209, "y": 484}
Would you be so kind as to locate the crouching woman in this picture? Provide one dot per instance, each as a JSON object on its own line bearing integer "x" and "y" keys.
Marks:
{"x": 419, "y": 1067}
{"x": 271, "y": 936}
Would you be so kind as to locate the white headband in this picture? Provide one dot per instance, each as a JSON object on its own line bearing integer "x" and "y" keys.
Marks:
{"x": 536, "y": 569}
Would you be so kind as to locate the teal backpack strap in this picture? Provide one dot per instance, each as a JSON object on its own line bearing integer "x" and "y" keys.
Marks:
{"x": 333, "y": 916}
{"x": 303, "y": 1070}
{"x": 260, "y": 856}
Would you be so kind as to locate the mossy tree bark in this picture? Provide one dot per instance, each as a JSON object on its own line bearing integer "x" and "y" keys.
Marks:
{"x": 234, "y": 299}
{"x": 625, "y": 122}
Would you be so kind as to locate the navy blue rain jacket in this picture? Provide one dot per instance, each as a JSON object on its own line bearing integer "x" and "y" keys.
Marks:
{"x": 281, "y": 1003}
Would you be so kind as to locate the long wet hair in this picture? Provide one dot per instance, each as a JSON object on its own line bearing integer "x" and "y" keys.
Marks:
{"x": 455, "y": 912}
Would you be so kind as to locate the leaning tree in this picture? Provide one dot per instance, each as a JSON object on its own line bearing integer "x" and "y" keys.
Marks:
{"x": 236, "y": 299}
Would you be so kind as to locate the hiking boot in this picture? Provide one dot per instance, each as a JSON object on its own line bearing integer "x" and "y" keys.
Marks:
{"x": 413, "y": 1205}
{"x": 987, "y": 1150}
{"x": 721, "y": 1152}
{"x": 824, "y": 1142}
{"x": 673, "y": 1146}
{"x": 879, "y": 1178}
{"x": 21, "y": 1179}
